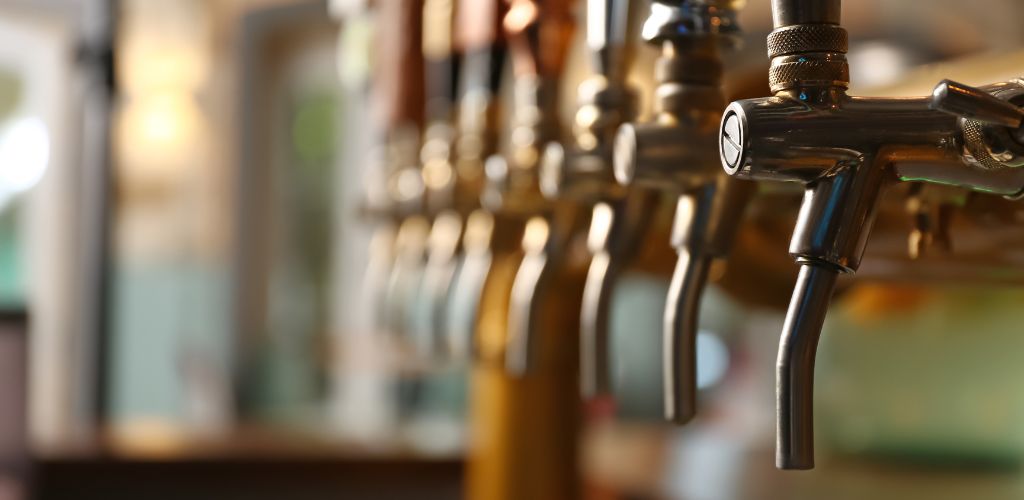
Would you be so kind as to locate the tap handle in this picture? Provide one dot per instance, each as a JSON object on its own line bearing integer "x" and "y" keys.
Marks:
{"x": 976, "y": 104}
{"x": 609, "y": 39}
{"x": 398, "y": 86}
{"x": 539, "y": 33}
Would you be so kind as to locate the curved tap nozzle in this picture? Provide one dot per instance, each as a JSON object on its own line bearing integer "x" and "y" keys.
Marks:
{"x": 406, "y": 275}
{"x": 709, "y": 205}
{"x": 539, "y": 32}
{"x": 794, "y": 447}
{"x": 616, "y": 231}
{"x": 438, "y": 277}
{"x": 525, "y": 304}
{"x": 595, "y": 372}
{"x": 583, "y": 174}
{"x": 846, "y": 151}
{"x": 546, "y": 242}
{"x": 705, "y": 225}
{"x": 464, "y": 302}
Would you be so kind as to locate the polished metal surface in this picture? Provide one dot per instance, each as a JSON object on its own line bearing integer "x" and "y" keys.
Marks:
{"x": 689, "y": 101}
{"x": 537, "y": 167}
{"x": 524, "y": 408}
{"x": 962, "y": 100}
{"x": 705, "y": 225}
{"x": 795, "y": 367}
{"x": 582, "y": 173}
{"x": 791, "y": 12}
{"x": 682, "y": 309}
{"x": 617, "y": 228}
{"x": 479, "y": 35}
{"x": 847, "y": 151}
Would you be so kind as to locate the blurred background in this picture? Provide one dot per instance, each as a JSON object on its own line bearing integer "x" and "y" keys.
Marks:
{"x": 183, "y": 256}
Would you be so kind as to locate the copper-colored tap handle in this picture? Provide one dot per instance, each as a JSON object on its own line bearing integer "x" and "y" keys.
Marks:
{"x": 478, "y": 24}
{"x": 441, "y": 56}
{"x": 398, "y": 74}
{"x": 539, "y": 33}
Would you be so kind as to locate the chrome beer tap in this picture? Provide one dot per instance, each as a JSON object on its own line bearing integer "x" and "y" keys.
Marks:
{"x": 679, "y": 151}
{"x": 524, "y": 428}
{"x": 436, "y": 155}
{"x": 539, "y": 33}
{"x": 846, "y": 151}
{"x": 478, "y": 32}
{"x": 584, "y": 175}
{"x": 398, "y": 101}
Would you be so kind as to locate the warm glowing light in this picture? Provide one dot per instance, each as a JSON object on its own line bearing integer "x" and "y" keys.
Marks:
{"x": 24, "y": 154}
{"x": 162, "y": 118}
{"x": 159, "y": 132}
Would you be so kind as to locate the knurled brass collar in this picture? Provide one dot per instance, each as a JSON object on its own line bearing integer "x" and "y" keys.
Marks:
{"x": 819, "y": 69}
{"x": 803, "y": 38}
{"x": 808, "y": 54}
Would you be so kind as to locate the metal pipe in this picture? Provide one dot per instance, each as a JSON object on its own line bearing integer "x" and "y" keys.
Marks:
{"x": 535, "y": 271}
{"x": 595, "y": 374}
{"x": 793, "y": 12}
{"x": 794, "y": 382}
{"x": 616, "y": 231}
{"x": 690, "y": 35}
{"x": 682, "y": 308}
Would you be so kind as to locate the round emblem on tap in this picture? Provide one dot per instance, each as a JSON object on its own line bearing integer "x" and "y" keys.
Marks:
{"x": 731, "y": 141}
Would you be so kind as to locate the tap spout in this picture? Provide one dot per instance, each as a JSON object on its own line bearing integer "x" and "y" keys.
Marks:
{"x": 680, "y": 335}
{"x": 595, "y": 372}
{"x": 616, "y": 232}
{"x": 795, "y": 366}
{"x": 705, "y": 225}
{"x": 528, "y": 289}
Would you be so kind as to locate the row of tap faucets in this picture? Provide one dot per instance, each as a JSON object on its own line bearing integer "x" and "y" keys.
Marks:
{"x": 501, "y": 247}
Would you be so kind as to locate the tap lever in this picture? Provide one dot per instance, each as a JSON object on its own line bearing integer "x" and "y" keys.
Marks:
{"x": 976, "y": 104}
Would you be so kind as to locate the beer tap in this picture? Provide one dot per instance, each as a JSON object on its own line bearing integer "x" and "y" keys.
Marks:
{"x": 539, "y": 32}
{"x": 445, "y": 238}
{"x": 478, "y": 32}
{"x": 679, "y": 150}
{"x": 524, "y": 429}
{"x": 583, "y": 174}
{"x": 399, "y": 101}
{"x": 846, "y": 151}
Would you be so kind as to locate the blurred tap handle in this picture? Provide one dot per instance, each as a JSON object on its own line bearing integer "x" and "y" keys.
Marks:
{"x": 478, "y": 24}
{"x": 539, "y": 33}
{"x": 440, "y": 54}
{"x": 610, "y": 39}
{"x": 398, "y": 64}
{"x": 975, "y": 104}
{"x": 439, "y": 41}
